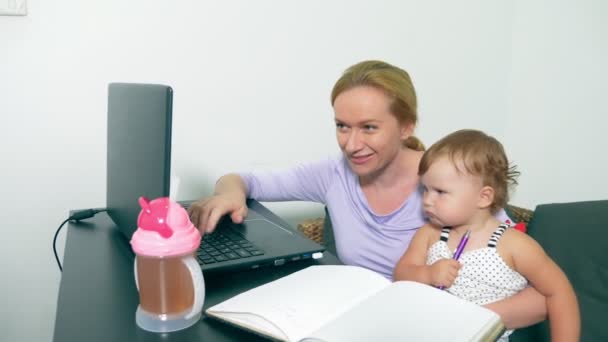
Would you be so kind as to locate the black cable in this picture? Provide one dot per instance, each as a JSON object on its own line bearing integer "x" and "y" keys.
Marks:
{"x": 75, "y": 217}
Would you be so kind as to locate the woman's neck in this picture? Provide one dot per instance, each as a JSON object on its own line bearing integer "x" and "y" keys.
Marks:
{"x": 402, "y": 170}
{"x": 388, "y": 191}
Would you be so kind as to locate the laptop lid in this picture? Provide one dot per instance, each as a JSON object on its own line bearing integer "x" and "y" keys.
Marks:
{"x": 138, "y": 164}
{"x": 139, "y": 149}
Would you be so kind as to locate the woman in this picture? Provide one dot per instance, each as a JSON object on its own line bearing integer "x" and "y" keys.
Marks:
{"x": 371, "y": 191}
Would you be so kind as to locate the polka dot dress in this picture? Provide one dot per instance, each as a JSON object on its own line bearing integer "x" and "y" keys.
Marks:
{"x": 484, "y": 277}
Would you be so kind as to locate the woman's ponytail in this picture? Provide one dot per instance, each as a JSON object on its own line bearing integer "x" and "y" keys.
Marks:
{"x": 414, "y": 143}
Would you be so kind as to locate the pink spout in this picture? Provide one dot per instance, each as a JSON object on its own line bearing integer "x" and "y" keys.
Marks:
{"x": 154, "y": 216}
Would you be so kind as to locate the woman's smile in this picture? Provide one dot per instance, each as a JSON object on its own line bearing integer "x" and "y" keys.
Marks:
{"x": 360, "y": 160}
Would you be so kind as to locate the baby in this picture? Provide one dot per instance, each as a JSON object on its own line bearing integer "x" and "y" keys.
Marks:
{"x": 466, "y": 176}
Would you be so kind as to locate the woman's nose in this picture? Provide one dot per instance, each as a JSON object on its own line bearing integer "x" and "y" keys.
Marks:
{"x": 353, "y": 142}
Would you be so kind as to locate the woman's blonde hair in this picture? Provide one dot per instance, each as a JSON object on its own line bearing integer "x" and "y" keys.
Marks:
{"x": 394, "y": 82}
{"x": 481, "y": 155}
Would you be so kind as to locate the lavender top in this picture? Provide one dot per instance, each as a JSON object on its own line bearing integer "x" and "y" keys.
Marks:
{"x": 363, "y": 238}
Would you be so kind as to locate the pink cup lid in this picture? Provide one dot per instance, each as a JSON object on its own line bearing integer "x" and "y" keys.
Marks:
{"x": 164, "y": 229}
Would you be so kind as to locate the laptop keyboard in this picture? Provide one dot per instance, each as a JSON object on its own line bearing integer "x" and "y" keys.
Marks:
{"x": 224, "y": 246}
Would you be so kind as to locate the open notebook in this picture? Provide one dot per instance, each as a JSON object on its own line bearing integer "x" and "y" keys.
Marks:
{"x": 349, "y": 303}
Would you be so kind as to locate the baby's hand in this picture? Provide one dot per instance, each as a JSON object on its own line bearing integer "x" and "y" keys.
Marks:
{"x": 444, "y": 271}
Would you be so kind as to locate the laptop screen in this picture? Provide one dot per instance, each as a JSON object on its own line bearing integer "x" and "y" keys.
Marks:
{"x": 139, "y": 149}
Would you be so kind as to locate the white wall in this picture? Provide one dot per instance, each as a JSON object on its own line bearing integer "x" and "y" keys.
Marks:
{"x": 558, "y": 116}
{"x": 252, "y": 82}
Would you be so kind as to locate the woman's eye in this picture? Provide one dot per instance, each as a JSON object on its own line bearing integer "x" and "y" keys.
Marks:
{"x": 370, "y": 128}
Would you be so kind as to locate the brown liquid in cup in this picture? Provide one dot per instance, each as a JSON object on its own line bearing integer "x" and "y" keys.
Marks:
{"x": 165, "y": 285}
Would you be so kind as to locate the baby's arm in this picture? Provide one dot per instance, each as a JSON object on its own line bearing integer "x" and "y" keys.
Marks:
{"x": 531, "y": 261}
{"x": 412, "y": 265}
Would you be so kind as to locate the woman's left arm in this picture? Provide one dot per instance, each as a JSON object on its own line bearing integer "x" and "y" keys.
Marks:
{"x": 526, "y": 308}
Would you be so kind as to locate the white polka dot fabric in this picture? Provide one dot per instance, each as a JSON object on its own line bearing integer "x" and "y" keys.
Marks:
{"x": 484, "y": 277}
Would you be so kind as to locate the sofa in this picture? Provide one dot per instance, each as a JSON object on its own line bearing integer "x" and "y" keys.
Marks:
{"x": 572, "y": 234}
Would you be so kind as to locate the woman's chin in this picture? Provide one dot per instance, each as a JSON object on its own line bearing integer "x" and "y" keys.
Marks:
{"x": 360, "y": 170}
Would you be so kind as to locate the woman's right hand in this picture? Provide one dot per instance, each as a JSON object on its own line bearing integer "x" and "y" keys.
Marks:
{"x": 230, "y": 198}
{"x": 206, "y": 213}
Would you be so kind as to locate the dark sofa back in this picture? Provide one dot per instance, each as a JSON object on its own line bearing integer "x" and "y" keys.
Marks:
{"x": 574, "y": 235}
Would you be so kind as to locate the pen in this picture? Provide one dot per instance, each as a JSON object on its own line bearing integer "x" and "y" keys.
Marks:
{"x": 459, "y": 249}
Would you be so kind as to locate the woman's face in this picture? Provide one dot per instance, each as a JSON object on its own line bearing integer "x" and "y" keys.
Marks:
{"x": 368, "y": 134}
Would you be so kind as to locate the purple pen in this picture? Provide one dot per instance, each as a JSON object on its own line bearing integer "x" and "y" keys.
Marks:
{"x": 459, "y": 249}
{"x": 461, "y": 244}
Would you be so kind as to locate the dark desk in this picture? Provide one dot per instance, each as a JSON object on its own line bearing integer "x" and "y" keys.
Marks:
{"x": 98, "y": 298}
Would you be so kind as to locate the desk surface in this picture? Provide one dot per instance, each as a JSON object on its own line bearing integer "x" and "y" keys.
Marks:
{"x": 97, "y": 295}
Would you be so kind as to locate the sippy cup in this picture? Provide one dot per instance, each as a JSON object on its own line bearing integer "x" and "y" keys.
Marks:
{"x": 167, "y": 275}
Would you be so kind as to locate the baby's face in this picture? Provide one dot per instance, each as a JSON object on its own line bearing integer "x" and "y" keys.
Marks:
{"x": 451, "y": 196}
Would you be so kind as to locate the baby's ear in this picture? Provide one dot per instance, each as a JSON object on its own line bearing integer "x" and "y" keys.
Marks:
{"x": 486, "y": 197}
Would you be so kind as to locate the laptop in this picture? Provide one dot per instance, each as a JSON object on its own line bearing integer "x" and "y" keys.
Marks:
{"x": 139, "y": 164}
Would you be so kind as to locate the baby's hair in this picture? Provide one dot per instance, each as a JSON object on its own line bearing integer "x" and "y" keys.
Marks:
{"x": 480, "y": 155}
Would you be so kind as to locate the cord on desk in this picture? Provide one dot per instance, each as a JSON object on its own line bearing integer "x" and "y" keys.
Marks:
{"x": 75, "y": 217}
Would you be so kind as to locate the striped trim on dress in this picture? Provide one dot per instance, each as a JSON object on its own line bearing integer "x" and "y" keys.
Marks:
{"x": 445, "y": 232}
{"x": 497, "y": 235}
